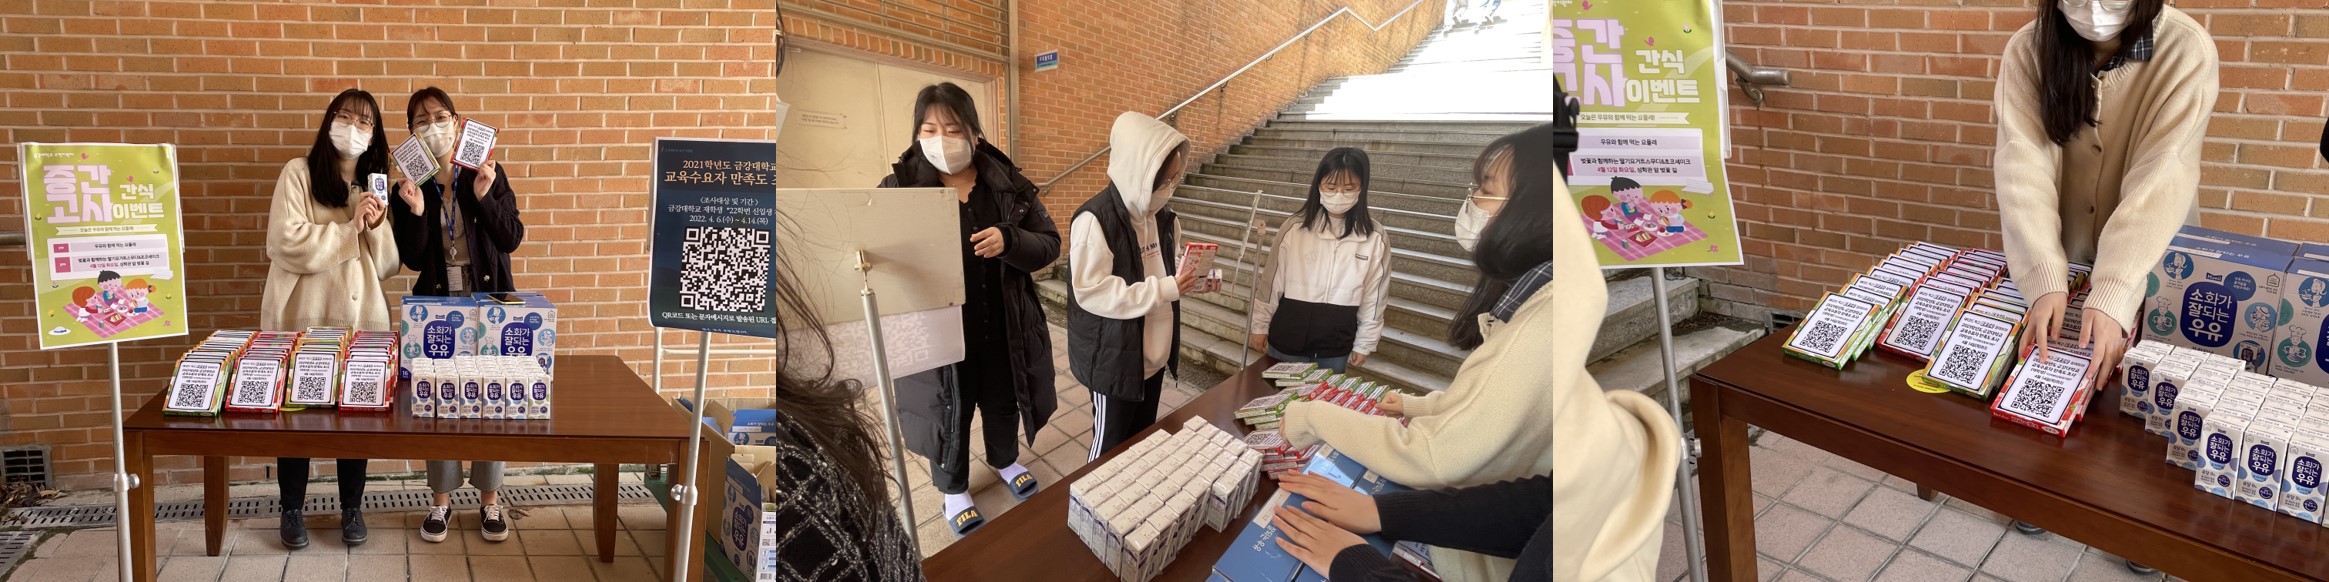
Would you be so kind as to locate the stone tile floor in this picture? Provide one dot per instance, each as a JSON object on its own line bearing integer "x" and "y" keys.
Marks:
{"x": 1822, "y": 517}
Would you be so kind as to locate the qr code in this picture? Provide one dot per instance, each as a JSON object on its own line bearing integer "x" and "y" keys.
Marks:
{"x": 1961, "y": 365}
{"x": 725, "y": 269}
{"x": 1823, "y": 336}
{"x": 312, "y": 389}
{"x": 364, "y": 393}
{"x": 2036, "y": 398}
{"x": 1917, "y": 331}
{"x": 190, "y": 398}
{"x": 473, "y": 149}
{"x": 252, "y": 393}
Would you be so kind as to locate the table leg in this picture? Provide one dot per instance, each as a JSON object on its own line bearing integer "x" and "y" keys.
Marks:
{"x": 1723, "y": 480}
{"x": 214, "y": 504}
{"x": 1926, "y": 493}
{"x": 602, "y": 512}
{"x": 141, "y": 506}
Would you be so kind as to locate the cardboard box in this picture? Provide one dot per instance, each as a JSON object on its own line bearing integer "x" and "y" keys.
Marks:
{"x": 748, "y": 531}
{"x": 527, "y": 328}
{"x": 2297, "y": 353}
{"x": 436, "y": 328}
{"x": 2219, "y": 292}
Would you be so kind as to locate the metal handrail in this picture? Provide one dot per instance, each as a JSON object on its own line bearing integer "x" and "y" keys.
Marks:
{"x": 1371, "y": 27}
{"x": 1752, "y": 77}
{"x": 11, "y": 239}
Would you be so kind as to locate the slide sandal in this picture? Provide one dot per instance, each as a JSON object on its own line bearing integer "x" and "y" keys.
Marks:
{"x": 966, "y": 520}
{"x": 1024, "y": 486}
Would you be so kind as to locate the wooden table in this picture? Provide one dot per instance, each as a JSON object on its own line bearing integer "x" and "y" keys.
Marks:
{"x": 2107, "y": 485}
{"x": 1032, "y": 541}
{"x": 604, "y": 415}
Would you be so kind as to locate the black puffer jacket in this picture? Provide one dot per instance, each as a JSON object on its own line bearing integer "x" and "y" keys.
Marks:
{"x": 927, "y": 402}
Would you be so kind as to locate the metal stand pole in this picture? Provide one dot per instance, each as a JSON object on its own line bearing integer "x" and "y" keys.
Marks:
{"x": 658, "y": 361}
{"x": 889, "y": 398}
{"x": 684, "y": 496}
{"x": 122, "y": 480}
{"x": 1682, "y": 484}
{"x": 1245, "y": 340}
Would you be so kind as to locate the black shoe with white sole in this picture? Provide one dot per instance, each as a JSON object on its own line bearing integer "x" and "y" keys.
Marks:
{"x": 293, "y": 530}
{"x": 491, "y": 524}
{"x": 437, "y": 525}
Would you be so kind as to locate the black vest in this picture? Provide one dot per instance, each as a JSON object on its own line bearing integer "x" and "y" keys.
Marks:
{"x": 1106, "y": 354}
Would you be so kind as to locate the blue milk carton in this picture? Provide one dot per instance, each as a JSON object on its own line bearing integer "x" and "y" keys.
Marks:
{"x": 2188, "y": 419}
{"x": 526, "y": 327}
{"x": 2135, "y": 376}
{"x": 435, "y": 328}
{"x": 2220, "y": 459}
{"x": 2218, "y": 292}
{"x": 2301, "y": 493}
{"x": 2264, "y": 460}
{"x": 2297, "y": 355}
{"x": 2167, "y": 380}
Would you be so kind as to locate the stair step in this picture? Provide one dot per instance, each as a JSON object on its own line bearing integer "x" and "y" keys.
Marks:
{"x": 1425, "y": 352}
{"x": 1199, "y": 348}
{"x": 1490, "y": 128}
{"x": 1403, "y": 260}
{"x": 1404, "y": 285}
{"x": 1451, "y": 190}
{"x": 1409, "y": 230}
{"x": 1380, "y": 132}
{"x": 1633, "y": 312}
{"x": 1437, "y": 204}
{"x": 1697, "y": 344}
{"x": 1384, "y": 116}
{"x": 1372, "y": 146}
{"x": 1437, "y": 160}
{"x": 1376, "y": 172}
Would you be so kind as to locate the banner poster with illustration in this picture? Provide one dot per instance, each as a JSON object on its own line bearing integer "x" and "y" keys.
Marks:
{"x": 1652, "y": 133}
{"x": 102, "y": 224}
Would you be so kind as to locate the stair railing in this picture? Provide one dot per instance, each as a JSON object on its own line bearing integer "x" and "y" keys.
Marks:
{"x": 1168, "y": 113}
{"x": 1751, "y": 78}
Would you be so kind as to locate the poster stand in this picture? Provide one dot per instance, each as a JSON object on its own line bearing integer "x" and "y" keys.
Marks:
{"x": 122, "y": 480}
{"x": 1252, "y": 278}
{"x": 1694, "y": 530}
{"x": 889, "y": 396}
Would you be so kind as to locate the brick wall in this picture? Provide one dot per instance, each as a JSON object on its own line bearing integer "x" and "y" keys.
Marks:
{"x": 1133, "y": 55}
{"x": 1885, "y": 136}
{"x": 581, "y": 88}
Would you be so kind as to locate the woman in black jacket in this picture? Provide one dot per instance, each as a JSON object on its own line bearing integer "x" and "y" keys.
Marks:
{"x": 1006, "y": 373}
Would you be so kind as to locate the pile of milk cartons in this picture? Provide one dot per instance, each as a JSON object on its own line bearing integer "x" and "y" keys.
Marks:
{"x": 488, "y": 387}
{"x": 2246, "y": 436}
{"x": 1137, "y": 510}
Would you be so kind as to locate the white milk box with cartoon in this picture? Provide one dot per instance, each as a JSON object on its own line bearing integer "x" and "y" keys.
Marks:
{"x": 526, "y": 326}
{"x": 2301, "y": 493}
{"x": 435, "y": 328}
{"x": 2220, "y": 456}
{"x": 2264, "y": 454}
{"x": 2218, "y": 292}
{"x": 2305, "y": 295}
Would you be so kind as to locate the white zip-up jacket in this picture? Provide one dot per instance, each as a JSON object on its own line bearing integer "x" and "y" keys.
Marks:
{"x": 1322, "y": 295}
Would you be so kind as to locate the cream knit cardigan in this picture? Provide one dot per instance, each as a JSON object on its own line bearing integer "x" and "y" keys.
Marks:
{"x": 2116, "y": 192}
{"x": 323, "y": 268}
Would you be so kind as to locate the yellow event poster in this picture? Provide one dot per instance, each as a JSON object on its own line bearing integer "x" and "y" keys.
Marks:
{"x": 103, "y": 228}
{"x": 1648, "y": 172}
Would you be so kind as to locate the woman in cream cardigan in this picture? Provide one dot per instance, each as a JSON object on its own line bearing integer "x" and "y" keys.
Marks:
{"x": 328, "y": 250}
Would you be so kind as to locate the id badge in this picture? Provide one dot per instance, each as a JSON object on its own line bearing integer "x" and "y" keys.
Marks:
{"x": 456, "y": 281}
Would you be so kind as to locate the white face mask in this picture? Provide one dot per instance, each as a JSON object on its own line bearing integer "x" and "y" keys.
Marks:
{"x": 439, "y": 136}
{"x": 1470, "y": 220}
{"x": 1163, "y": 195}
{"x": 2094, "y": 22}
{"x": 950, "y": 154}
{"x": 350, "y": 141}
{"x": 1337, "y": 203}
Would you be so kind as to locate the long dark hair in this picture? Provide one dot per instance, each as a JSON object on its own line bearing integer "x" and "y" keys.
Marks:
{"x": 830, "y": 411}
{"x": 2066, "y": 66}
{"x": 955, "y": 100}
{"x": 324, "y": 156}
{"x": 1313, "y": 213}
{"x": 1520, "y": 237}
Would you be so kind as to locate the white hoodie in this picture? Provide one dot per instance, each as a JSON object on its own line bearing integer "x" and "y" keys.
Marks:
{"x": 1139, "y": 145}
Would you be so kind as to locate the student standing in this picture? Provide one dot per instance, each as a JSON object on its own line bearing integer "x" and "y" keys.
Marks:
{"x": 2102, "y": 105}
{"x": 1320, "y": 298}
{"x": 456, "y": 229}
{"x": 1006, "y": 373}
{"x": 1490, "y": 424}
{"x": 1123, "y": 312}
{"x": 327, "y": 255}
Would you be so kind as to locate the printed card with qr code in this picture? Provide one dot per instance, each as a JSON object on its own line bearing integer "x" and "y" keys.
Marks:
{"x": 414, "y": 159}
{"x": 1970, "y": 356}
{"x": 1828, "y": 333}
{"x": 1918, "y": 328}
{"x": 475, "y": 144}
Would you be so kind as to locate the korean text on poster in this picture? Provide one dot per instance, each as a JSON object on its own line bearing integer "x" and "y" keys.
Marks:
{"x": 713, "y": 232}
{"x": 102, "y": 225}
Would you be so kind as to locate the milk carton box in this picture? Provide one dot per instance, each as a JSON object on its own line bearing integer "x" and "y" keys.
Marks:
{"x": 2305, "y": 323}
{"x": 435, "y": 328}
{"x": 2220, "y": 459}
{"x": 2168, "y": 378}
{"x": 2264, "y": 463}
{"x": 2219, "y": 292}
{"x": 526, "y": 324}
{"x": 2190, "y": 413}
{"x": 2135, "y": 376}
{"x": 2301, "y": 493}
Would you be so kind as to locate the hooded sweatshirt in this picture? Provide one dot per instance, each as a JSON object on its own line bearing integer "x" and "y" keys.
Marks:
{"x": 1139, "y": 144}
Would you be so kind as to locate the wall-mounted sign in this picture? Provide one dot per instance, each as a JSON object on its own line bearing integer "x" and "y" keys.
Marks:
{"x": 1047, "y": 61}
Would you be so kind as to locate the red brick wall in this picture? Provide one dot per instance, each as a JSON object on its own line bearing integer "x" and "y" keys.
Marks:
{"x": 1130, "y": 55}
{"x": 580, "y": 86}
{"x": 1885, "y": 136}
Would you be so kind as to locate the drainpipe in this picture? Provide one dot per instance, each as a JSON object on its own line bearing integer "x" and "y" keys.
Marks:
{"x": 1011, "y": 102}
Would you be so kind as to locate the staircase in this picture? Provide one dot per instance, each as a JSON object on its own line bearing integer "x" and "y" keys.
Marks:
{"x": 1422, "y": 122}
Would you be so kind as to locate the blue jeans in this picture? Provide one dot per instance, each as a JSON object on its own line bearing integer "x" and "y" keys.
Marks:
{"x": 1338, "y": 363}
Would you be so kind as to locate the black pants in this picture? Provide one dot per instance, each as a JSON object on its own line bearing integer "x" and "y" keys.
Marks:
{"x": 291, "y": 482}
{"x": 1115, "y": 420}
{"x": 986, "y": 389}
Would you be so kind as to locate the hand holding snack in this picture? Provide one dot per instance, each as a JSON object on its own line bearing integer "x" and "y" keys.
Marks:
{"x": 1393, "y": 403}
{"x": 1188, "y": 281}
{"x": 370, "y": 211}
{"x": 2044, "y": 322}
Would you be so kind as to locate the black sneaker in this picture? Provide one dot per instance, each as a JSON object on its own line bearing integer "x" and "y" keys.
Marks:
{"x": 294, "y": 529}
{"x": 491, "y": 525}
{"x": 434, "y": 528}
{"x": 352, "y": 526}
{"x": 2028, "y": 529}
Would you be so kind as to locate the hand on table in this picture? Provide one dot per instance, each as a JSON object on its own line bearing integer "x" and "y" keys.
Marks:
{"x": 1344, "y": 507}
{"x": 2103, "y": 336}
{"x": 1393, "y": 403}
{"x": 1313, "y": 542}
{"x": 2044, "y": 322}
{"x": 987, "y": 244}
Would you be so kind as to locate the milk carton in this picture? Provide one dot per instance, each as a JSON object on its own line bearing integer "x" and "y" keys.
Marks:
{"x": 2218, "y": 292}
{"x": 2167, "y": 379}
{"x": 435, "y": 328}
{"x": 2135, "y": 376}
{"x": 2190, "y": 413}
{"x": 2297, "y": 355}
{"x": 526, "y": 327}
{"x": 2220, "y": 459}
{"x": 2264, "y": 462}
{"x": 2301, "y": 492}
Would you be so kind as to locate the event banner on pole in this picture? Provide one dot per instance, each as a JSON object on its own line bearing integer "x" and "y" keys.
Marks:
{"x": 102, "y": 223}
{"x": 1648, "y": 172}
{"x": 714, "y": 225}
